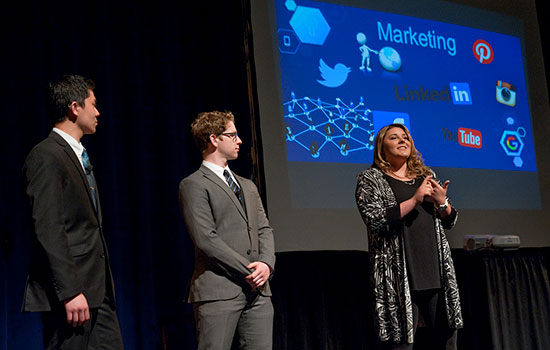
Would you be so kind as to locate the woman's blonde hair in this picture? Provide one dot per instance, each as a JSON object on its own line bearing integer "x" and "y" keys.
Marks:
{"x": 415, "y": 163}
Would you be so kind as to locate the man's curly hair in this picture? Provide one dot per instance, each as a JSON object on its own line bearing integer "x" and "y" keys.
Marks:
{"x": 209, "y": 123}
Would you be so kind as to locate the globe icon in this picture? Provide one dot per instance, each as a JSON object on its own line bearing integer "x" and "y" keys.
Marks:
{"x": 389, "y": 59}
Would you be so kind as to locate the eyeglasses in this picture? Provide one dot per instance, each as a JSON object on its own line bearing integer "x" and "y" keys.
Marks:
{"x": 233, "y": 135}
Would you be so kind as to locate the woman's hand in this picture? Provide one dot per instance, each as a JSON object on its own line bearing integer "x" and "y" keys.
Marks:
{"x": 425, "y": 190}
{"x": 439, "y": 193}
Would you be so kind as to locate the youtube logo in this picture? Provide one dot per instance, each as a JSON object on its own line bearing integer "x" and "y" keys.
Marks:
{"x": 469, "y": 138}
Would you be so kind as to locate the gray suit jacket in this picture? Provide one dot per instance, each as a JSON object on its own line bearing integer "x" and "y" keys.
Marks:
{"x": 226, "y": 237}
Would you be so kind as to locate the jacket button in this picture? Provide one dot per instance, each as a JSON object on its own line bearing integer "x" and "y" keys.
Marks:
{"x": 248, "y": 252}
{"x": 102, "y": 256}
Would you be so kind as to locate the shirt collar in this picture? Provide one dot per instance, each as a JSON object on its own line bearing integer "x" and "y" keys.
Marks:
{"x": 218, "y": 170}
{"x": 75, "y": 145}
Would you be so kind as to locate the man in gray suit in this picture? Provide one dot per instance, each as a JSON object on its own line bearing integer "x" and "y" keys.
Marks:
{"x": 234, "y": 248}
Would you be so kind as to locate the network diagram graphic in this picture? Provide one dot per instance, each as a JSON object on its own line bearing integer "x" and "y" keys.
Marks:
{"x": 329, "y": 129}
{"x": 316, "y": 125}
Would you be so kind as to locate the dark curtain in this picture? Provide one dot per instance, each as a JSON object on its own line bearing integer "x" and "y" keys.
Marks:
{"x": 322, "y": 301}
{"x": 505, "y": 299}
{"x": 519, "y": 305}
{"x": 156, "y": 65}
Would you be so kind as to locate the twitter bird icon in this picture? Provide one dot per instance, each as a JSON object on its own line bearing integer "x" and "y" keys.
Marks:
{"x": 333, "y": 77}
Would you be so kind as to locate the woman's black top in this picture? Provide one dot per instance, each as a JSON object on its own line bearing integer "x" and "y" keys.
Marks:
{"x": 419, "y": 237}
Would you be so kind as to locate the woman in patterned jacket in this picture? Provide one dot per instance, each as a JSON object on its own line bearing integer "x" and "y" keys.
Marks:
{"x": 405, "y": 209}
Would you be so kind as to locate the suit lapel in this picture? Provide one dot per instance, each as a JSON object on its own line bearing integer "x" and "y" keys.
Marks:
{"x": 246, "y": 193}
{"x": 74, "y": 159}
{"x": 251, "y": 209}
{"x": 210, "y": 175}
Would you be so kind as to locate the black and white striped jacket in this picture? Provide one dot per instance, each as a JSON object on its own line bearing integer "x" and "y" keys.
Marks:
{"x": 393, "y": 307}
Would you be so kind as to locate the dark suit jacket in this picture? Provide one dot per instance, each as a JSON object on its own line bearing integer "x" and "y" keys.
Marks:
{"x": 69, "y": 251}
{"x": 226, "y": 238}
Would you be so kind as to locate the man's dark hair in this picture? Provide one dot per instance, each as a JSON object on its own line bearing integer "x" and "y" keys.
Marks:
{"x": 65, "y": 91}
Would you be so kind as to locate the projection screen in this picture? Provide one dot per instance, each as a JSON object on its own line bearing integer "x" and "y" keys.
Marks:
{"x": 468, "y": 83}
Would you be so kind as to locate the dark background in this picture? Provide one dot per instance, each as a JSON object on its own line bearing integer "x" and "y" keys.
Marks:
{"x": 156, "y": 65}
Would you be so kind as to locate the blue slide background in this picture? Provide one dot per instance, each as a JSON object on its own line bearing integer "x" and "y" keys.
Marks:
{"x": 338, "y": 124}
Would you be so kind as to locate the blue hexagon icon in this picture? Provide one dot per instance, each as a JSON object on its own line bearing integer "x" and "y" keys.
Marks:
{"x": 290, "y": 5}
{"x": 511, "y": 143}
{"x": 518, "y": 162}
{"x": 288, "y": 41}
{"x": 310, "y": 25}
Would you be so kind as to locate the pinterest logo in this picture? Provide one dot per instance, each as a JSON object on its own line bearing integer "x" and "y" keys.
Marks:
{"x": 483, "y": 52}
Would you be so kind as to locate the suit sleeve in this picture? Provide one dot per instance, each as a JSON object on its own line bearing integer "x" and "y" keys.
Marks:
{"x": 45, "y": 190}
{"x": 265, "y": 236}
{"x": 199, "y": 221}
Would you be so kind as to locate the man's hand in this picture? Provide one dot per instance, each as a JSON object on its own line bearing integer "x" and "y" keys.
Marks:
{"x": 260, "y": 274}
{"x": 77, "y": 310}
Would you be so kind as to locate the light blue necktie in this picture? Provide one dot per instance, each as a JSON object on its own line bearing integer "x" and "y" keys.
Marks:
{"x": 90, "y": 176}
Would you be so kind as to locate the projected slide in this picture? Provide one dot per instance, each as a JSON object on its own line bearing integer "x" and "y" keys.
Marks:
{"x": 346, "y": 72}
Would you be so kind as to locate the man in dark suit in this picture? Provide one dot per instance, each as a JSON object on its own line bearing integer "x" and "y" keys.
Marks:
{"x": 234, "y": 248}
{"x": 70, "y": 279}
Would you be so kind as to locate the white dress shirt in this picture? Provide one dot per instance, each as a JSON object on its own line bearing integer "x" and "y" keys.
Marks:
{"x": 75, "y": 145}
{"x": 218, "y": 170}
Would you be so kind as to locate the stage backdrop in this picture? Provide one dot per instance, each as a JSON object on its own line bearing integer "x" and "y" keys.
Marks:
{"x": 156, "y": 65}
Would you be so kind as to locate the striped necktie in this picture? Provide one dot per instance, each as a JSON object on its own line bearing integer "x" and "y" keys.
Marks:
{"x": 234, "y": 186}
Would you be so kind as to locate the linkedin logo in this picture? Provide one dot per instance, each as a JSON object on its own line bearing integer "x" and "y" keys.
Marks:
{"x": 460, "y": 93}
